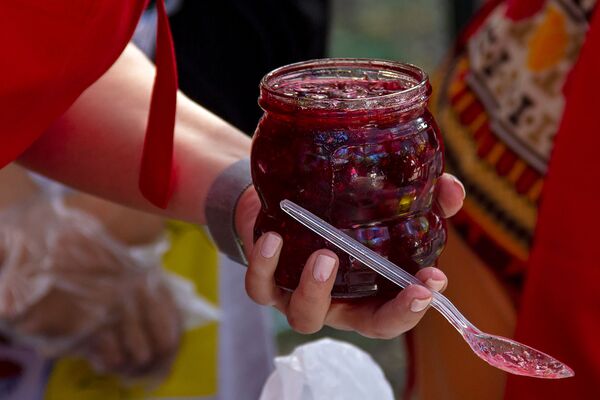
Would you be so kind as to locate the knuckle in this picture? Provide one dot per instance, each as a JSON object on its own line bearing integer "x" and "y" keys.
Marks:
{"x": 170, "y": 351}
{"x": 258, "y": 271}
{"x": 412, "y": 323}
{"x": 379, "y": 333}
{"x": 167, "y": 334}
{"x": 167, "y": 348}
{"x": 143, "y": 359}
{"x": 388, "y": 335}
{"x": 309, "y": 295}
{"x": 257, "y": 295}
{"x": 379, "y": 328}
{"x": 302, "y": 325}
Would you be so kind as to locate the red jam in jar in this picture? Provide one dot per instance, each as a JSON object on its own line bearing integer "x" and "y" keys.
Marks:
{"x": 352, "y": 141}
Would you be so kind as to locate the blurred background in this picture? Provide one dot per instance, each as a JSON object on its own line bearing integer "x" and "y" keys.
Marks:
{"x": 417, "y": 32}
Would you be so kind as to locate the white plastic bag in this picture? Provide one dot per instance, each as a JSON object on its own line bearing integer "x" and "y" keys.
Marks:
{"x": 327, "y": 370}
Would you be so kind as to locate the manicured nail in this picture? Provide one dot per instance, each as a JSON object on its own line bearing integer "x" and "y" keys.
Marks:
{"x": 323, "y": 267}
{"x": 434, "y": 284}
{"x": 460, "y": 184}
{"x": 270, "y": 245}
{"x": 418, "y": 305}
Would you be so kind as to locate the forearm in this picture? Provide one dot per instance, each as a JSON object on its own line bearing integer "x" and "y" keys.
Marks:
{"x": 96, "y": 146}
{"x": 128, "y": 226}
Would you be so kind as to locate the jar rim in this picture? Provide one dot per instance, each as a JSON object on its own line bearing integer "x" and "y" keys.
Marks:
{"x": 415, "y": 94}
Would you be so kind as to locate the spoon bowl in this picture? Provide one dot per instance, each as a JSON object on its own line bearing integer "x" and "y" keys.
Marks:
{"x": 515, "y": 357}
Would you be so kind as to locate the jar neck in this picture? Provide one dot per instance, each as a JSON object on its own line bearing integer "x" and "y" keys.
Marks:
{"x": 321, "y": 120}
{"x": 345, "y": 88}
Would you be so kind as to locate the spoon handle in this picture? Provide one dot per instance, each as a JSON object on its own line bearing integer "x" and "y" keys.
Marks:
{"x": 379, "y": 264}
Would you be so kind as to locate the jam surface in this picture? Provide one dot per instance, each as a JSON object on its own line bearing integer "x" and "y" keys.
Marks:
{"x": 369, "y": 172}
{"x": 334, "y": 89}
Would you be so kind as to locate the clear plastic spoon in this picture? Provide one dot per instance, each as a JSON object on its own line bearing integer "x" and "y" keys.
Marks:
{"x": 498, "y": 351}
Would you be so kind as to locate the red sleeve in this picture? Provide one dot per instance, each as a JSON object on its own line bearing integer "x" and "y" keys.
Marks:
{"x": 52, "y": 50}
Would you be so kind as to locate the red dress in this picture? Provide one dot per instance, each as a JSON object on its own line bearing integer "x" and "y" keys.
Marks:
{"x": 52, "y": 50}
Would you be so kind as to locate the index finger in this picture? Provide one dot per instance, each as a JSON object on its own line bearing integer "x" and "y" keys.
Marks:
{"x": 449, "y": 195}
{"x": 260, "y": 280}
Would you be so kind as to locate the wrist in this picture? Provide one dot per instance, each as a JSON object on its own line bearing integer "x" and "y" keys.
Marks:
{"x": 223, "y": 210}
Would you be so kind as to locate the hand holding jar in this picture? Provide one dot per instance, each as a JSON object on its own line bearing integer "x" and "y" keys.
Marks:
{"x": 353, "y": 142}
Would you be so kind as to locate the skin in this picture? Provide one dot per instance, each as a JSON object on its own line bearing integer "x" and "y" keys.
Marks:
{"x": 96, "y": 147}
{"x": 310, "y": 307}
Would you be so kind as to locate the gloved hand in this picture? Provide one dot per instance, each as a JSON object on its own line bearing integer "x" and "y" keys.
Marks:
{"x": 67, "y": 287}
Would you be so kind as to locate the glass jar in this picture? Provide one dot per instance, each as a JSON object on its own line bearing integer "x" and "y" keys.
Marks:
{"x": 352, "y": 141}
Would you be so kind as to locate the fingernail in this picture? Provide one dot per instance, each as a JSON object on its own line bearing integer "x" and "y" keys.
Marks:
{"x": 270, "y": 245}
{"x": 434, "y": 284}
{"x": 323, "y": 267}
{"x": 418, "y": 305}
{"x": 460, "y": 184}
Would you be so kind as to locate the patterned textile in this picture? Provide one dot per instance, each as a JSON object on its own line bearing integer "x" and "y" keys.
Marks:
{"x": 499, "y": 108}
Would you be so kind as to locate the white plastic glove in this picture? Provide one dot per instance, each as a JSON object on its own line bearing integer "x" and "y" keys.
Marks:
{"x": 66, "y": 287}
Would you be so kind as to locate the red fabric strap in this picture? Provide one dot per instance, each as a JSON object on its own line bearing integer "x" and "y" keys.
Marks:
{"x": 156, "y": 173}
{"x": 560, "y": 313}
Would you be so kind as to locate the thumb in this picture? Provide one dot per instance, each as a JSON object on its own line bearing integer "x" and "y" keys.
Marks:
{"x": 246, "y": 212}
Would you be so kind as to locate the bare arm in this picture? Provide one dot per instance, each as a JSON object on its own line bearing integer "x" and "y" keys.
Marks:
{"x": 96, "y": 146}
